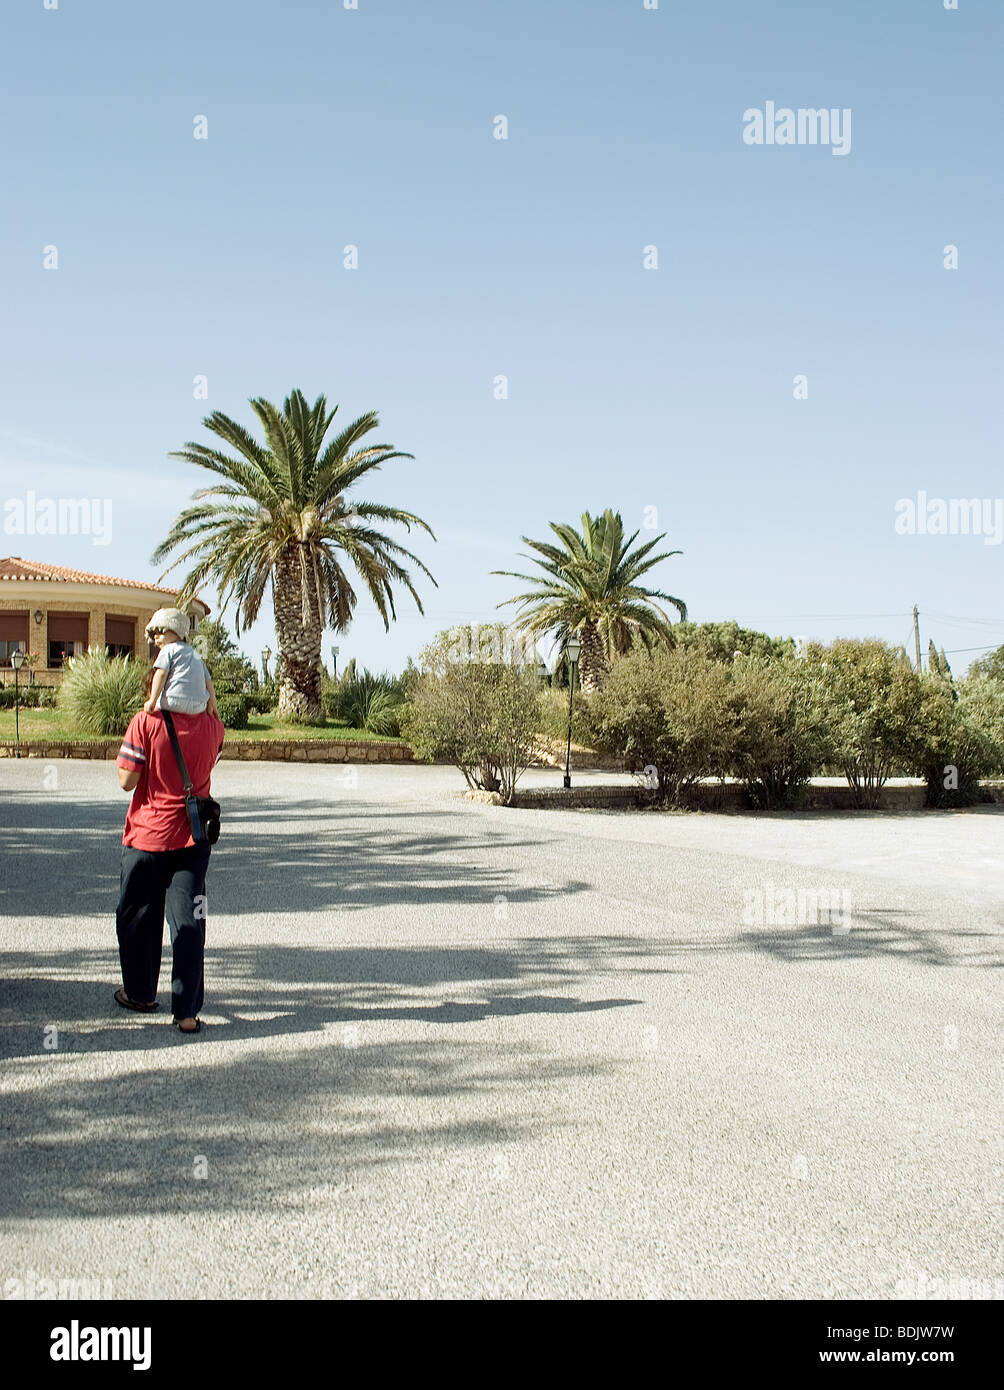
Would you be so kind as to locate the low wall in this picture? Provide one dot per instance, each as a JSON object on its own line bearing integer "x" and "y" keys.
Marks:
{"x": 707, "y": 796}
{"x": 243, "y": 750}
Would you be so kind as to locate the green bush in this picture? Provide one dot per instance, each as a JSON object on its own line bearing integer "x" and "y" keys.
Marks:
{"x": 991, "y": 665}
{"x": 100, "y": 694}
{"x": 554, "y": 716}
{"x": 962, "y": 727}
{"x": 873, "y": 700}
{"x": 233, "y": 710}
{"x": 28, "y": 696}
{"x": 262, "y": 701}
{"x": 481, "y": 715}
{"x": 232, "y": 672}
{"x": 668, "y": 710}
{"x": 780, "y": 734}
{"x": 365, "y": 701}
{"x": 721, "y": 641}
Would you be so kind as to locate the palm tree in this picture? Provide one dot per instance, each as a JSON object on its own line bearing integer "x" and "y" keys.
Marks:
{"x": 591, "y": 588}
{"x": 282, "y": 514}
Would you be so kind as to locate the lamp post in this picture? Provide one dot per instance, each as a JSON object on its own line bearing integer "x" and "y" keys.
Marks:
{"x": 17, "y": 661}
{"x": 572, "y": 648}
{"x": 266, "y": 657}
{"x": 334, "y": 662}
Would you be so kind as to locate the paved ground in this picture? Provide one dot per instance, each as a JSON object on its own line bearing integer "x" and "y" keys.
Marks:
{"x": 460, "y": 1051}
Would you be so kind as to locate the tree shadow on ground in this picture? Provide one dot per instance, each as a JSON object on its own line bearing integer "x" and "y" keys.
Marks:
{"x": 877, "y": 931}
{"x": 277, "y": 1129}
{"x": 281, "y": 1124}
{"x": 62, "y": 858}
{"x": 272, "y": 991}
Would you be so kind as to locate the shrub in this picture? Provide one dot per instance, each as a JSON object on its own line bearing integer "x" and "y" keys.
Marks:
{"x": 483, "y": 716}
{"x": 553, "y": 719}
{"x": 873, "y": 699}
{"x": 780, "y": 735}
{"x": 668, "y": 710}
{"x": 233, "y": 710}
{"x": 721, "y": 641}
{"x": 100, "y": 694}
{"x": 232, "y": 672}
{"x": 263, "y": 700}
{"x": 28, "y": 696}
{"x": 991, "y": 665}
{"x": 365, "y": 701}
{"x": 963, "y": 737}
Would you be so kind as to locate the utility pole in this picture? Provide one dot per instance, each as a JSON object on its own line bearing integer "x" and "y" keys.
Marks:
{"x": 916, "y": 634}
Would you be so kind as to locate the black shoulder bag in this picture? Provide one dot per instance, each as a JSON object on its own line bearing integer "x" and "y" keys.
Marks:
{"x": 203, "y": 811}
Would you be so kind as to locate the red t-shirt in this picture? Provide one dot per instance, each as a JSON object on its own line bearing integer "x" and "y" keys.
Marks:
{"x": 157, "y": 818}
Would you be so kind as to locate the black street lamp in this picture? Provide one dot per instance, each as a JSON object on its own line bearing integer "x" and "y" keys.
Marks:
{"x": 266, "y": 657}
{"x": 572, "y": 648}
{"x": 17, "y": 661}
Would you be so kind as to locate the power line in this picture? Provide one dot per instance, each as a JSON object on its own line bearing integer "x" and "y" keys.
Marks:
{"x": 966, "y": 622}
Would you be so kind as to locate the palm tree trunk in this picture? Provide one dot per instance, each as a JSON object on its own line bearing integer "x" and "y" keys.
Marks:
{"x": 299, "y": 641}
{"x": 593, "y": 663}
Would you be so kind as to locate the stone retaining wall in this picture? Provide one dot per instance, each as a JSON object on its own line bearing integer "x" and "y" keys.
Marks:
{"x": 705, "y": 797}
{"x": 244, "y": 750}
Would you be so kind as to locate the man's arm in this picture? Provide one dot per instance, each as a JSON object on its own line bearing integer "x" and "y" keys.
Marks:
{"x": 131, "y": 761}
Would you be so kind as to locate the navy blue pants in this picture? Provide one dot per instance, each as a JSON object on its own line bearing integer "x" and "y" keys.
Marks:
{"x": 153, "y": 882}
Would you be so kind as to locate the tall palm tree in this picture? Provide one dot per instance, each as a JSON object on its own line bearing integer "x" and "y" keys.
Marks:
{"x": 282, "y": 514}
{"x": 590, "y": 587}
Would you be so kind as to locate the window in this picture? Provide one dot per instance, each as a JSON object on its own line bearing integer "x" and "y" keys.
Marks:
{"x": 13, "y": 635}
{"x": 7, "y": 649}
{"x": 67, "y": 636}
{"x": 120, "y": 636}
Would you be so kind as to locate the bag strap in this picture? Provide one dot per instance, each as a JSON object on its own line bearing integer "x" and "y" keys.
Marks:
{"x": 173, "y": 734}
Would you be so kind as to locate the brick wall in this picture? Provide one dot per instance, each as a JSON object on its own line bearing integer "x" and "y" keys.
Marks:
{"x": 38, "y": 642}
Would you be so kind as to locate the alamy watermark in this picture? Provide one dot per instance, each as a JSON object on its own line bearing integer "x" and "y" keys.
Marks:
{"x": 951, "y": 516}
{"x": 806, "y": 126}
{"x": 493, "y": 645}
{"x": 36, "y": 1286}
{"x": 32, "y": 515}
{"x": 954, "y": 1286}
{"x": 789, "y": 907}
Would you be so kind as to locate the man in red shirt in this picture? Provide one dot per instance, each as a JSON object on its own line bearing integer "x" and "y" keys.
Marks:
{"x": 162, "y": 866}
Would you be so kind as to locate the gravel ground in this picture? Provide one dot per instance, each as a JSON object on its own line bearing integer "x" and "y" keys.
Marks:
{"x": 458, "y": 1051}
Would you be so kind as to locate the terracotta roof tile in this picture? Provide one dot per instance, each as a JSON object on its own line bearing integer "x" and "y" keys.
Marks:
{"x": 16, "y": 568}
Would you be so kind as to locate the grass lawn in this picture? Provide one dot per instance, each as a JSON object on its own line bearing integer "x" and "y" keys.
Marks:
{"x": 50, "y": 724}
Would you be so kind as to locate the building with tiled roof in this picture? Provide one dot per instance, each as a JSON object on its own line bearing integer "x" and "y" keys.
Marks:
{"x": 52, "y": 612}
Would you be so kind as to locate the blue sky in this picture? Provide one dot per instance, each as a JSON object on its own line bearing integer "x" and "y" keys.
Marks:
{"x": 630, "y": 388}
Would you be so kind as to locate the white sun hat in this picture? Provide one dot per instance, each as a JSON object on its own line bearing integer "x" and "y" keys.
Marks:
{"x": 169, "y": 620}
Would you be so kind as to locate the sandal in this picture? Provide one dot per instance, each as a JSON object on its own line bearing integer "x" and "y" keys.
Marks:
{"x": 122, "y": 998}
{"x": 188, "y": 1031}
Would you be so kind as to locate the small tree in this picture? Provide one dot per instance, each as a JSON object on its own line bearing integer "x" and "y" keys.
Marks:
{"x": 962, "y": 730}
{"x": 232, "y": 672}
{"x": 722, "y": 640}
{"x": 991, "y": 665}
{"x": 475, "y": 704}
{"x": 780, "y": 738}
{"x": 873, "y": 699}
{"x": 668, "y": 710}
